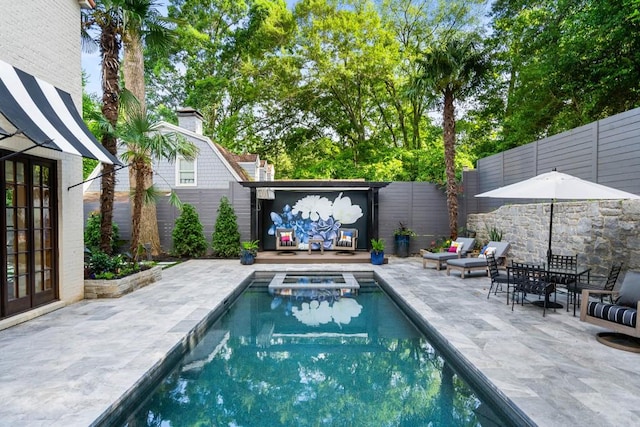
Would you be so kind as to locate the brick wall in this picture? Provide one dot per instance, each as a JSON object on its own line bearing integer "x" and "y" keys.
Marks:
{"x": 42, "y": 37}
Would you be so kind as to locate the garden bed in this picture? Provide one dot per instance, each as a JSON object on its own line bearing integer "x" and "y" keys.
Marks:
{"x": 115, "y": 288}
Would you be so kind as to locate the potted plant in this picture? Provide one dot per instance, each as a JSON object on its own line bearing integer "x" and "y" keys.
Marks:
{"x": 377, "y": 251}
{"x": 403, "y": 236}
{"x": 249, "y": 252}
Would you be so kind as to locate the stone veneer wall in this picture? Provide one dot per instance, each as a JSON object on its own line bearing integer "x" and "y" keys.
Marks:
{"x": 600, "y": 232}
{"x": 118, "y": 287}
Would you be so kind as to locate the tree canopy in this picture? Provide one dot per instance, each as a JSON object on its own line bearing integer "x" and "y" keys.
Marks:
{"x": 323, "y": 89}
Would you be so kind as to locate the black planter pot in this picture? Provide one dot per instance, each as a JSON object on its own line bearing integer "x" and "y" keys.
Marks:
{"x": 247, "y": 258}
{"x": 402, "y": 245}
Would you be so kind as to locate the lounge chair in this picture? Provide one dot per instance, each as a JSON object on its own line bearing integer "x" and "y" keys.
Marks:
{"x": 286, "y": 239}
{"x": 347, "y": 240}
{"x": 467, "y": 265}
{"x": 439, "y": 258}
{"x": 621, "y": 317}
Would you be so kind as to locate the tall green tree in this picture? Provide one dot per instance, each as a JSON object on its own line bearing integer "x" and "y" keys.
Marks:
{"x": 563, "y": 64}
{"x": 348, "y": 56}
{"x": 226, "y": 235}
{"x": 144, "y": 27}
{"x": 216, "y": 59}
{"x": 143, "y": 142}
{"x": 450, "y": 71}
{"x": 107, "y": 19}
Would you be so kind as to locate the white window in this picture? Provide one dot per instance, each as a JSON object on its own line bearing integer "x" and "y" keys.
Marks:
{"x": 185, "y": 172}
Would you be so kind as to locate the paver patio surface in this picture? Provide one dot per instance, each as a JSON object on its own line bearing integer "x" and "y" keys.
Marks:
{"x": 67, "y": 367}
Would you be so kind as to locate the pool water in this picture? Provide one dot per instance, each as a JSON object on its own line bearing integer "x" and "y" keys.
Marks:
{"x": 302, "y": 357}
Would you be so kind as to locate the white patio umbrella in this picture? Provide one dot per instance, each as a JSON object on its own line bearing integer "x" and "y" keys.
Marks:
{"x": 557, "y": 186}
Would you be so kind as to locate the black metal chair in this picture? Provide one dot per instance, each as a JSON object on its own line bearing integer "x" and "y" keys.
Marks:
{"x": 562, "y": 262}
{"x": 531, "y": 279}
{"x": 575, "y": 289}
{"x": 497, "y": 278}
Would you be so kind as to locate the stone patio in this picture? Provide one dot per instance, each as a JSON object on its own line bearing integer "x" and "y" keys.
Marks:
{"x": 67, "y": 367}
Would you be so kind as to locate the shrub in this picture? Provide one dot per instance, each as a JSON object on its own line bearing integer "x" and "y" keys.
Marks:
{"x": 226, "y": 237}
{"x": 92, "y": 233}
{"x": 100, "y": 265}
{"x": 188, "y": 234}
{"x": 495, "y": 235}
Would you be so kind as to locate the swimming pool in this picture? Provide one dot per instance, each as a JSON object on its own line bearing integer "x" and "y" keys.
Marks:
{"x": 315, "y": 350}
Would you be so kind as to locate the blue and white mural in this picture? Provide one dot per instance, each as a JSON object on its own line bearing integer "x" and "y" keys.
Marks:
{"x": 316, "y": 217}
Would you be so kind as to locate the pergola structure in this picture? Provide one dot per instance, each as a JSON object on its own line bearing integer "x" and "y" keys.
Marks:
{"x": 269, "y": 198}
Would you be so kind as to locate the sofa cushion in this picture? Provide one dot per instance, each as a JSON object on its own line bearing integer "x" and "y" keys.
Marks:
{"x": 629, "y": 293}
{"x": 615, "y": 313}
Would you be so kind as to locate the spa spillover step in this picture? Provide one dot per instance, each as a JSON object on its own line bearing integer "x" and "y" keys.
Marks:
{"x": 329, "y": 281}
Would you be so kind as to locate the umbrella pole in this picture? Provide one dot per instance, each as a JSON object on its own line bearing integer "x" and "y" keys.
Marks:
{"x": 550, "y": 234}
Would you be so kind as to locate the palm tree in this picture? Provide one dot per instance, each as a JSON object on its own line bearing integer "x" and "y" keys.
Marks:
{"x": 107, "y": 18}
{"x": 143, "y": 27}
{"x": 118, "y": 21}
{"x": 144, "y": 143}
{"x": 450, "y": 71}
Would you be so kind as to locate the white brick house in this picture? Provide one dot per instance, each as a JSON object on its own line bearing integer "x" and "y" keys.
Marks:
{"x": 41, "y": 146}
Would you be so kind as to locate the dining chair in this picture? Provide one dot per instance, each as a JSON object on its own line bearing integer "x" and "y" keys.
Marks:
{"x": 575, "y": 290}
{"x": 531, "y": 279}
{"x": 497, "y": 277}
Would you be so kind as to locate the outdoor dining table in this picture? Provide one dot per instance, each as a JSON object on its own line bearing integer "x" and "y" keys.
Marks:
{"x": 556, "y": 276}
{"x": 570, "y": 277}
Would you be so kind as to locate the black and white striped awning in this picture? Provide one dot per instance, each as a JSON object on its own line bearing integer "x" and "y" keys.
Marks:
{"x": 46, "y": 115}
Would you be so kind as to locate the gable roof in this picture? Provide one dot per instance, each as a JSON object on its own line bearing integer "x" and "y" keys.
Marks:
{"x": 228, "y": 158}
{"x": 233, "y": 161}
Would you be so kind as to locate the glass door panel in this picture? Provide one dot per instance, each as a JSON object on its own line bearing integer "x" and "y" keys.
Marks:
{"x": 27, "y": 243}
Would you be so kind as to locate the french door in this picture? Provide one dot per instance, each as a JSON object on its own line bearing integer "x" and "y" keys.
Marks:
{"x": 29, "y": 271}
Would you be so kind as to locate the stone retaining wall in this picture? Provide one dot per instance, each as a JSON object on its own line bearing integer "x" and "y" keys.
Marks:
{"x": 600, "y": 232}
{"x": 118, "y": 287}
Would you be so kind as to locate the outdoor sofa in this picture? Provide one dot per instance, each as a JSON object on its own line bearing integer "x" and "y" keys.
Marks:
{"x": 620, "y": 317}
{"x": 467, "y": 265}
{"x": 440, "y": 258}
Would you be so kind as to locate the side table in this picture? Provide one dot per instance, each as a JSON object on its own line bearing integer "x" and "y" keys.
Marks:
{"x": 320, "y": 242}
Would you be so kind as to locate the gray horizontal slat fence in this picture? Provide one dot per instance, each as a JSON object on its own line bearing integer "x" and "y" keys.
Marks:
{"x": 421, "y": 206}
{"x": 606, "y": 152}
{"x": 619, "y": 151}
{"x": 121, "y": 214}
{"x": 490, "y": 176}
{"x": 206, "y": 203}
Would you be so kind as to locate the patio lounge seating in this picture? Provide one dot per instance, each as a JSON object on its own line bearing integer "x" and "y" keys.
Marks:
{"x": 286, "y": 239}
{"x": 466, "y": 265}
{"x": 347, "y": 239}
{"x": 620, "y": 317}
{"x": 439, "y": 258}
